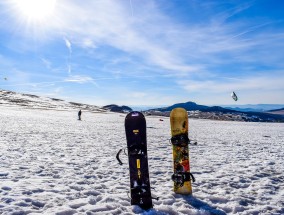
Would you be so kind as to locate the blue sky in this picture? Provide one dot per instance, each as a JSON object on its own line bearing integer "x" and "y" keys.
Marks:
{"x": 152, "y": 52}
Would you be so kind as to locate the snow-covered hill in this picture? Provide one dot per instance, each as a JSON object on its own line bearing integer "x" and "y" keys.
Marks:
{"x": 52, "y": 163}
{"x": 33, "y": 101}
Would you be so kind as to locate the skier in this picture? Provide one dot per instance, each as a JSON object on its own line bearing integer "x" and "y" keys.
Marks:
{"x": 79, "y": 114}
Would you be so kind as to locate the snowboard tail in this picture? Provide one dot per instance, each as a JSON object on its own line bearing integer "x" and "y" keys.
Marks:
{"x": 140, "y": 190}
{"x": 179, "y": 130}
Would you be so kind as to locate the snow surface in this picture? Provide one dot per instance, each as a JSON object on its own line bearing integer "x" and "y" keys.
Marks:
{"x": 52, "y": 163}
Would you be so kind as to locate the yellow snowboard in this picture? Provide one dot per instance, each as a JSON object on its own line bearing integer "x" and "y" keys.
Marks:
{"x": 179, "y": 132}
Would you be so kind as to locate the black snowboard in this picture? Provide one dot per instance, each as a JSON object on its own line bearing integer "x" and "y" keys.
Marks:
{"x": 135, "y": 128}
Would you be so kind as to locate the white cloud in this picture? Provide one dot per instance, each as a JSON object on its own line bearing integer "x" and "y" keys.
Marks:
{"x": 160, "y": 40}
{"x": 88, "y": 43}
{"x": 80, "y": 79}
{"x": 143, "y": 30}
{"x": 224, "y": 85}
{"x": 114, "y": 25}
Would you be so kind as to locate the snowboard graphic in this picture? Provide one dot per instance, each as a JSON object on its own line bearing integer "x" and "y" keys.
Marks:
{"x": 140, "y": 191}
{"x": 179, "y": 131}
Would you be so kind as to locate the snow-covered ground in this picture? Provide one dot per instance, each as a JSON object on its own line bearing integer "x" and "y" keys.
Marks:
{"x": 51, "y": 163}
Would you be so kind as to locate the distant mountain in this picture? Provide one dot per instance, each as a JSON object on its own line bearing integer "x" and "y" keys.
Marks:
{"x": 245, "y": 109}
{"x": 218, "y": 109}
{"x": 277, "y": 111}
{"x": 145, "y": 107}
{"x": 254, "y": 107}
{"x": 116, "y": 108}
{"x": 281, "y": 109}
{"x": 189, "y": 106}
{"x": 218, "y": 113}
{"x": 192, "y": 106}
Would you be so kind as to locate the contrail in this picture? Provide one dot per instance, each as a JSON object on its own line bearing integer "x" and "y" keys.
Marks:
{"x": 69, "y": 46}
{"x": 251, "y": 29}
{"x": 130, "y": 1}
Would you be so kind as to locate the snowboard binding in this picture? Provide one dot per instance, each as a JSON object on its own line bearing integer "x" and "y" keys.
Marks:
{"x": 180, "y": 140}
{"x": 140, "y": 195}
{"x": 181, "y": 177}
{"x": 132, "y": 150}
{"x": 136, "y": 150}
{"x": 139, "y": 189}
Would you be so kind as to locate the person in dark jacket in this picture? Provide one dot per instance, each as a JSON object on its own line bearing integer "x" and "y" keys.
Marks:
{"x": 79, "y": 114}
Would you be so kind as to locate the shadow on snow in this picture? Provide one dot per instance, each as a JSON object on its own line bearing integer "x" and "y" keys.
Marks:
{"x": 200, "y": 205}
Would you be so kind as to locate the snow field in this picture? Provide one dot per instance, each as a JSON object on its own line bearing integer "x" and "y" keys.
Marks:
{"x": 52, "y": 163}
